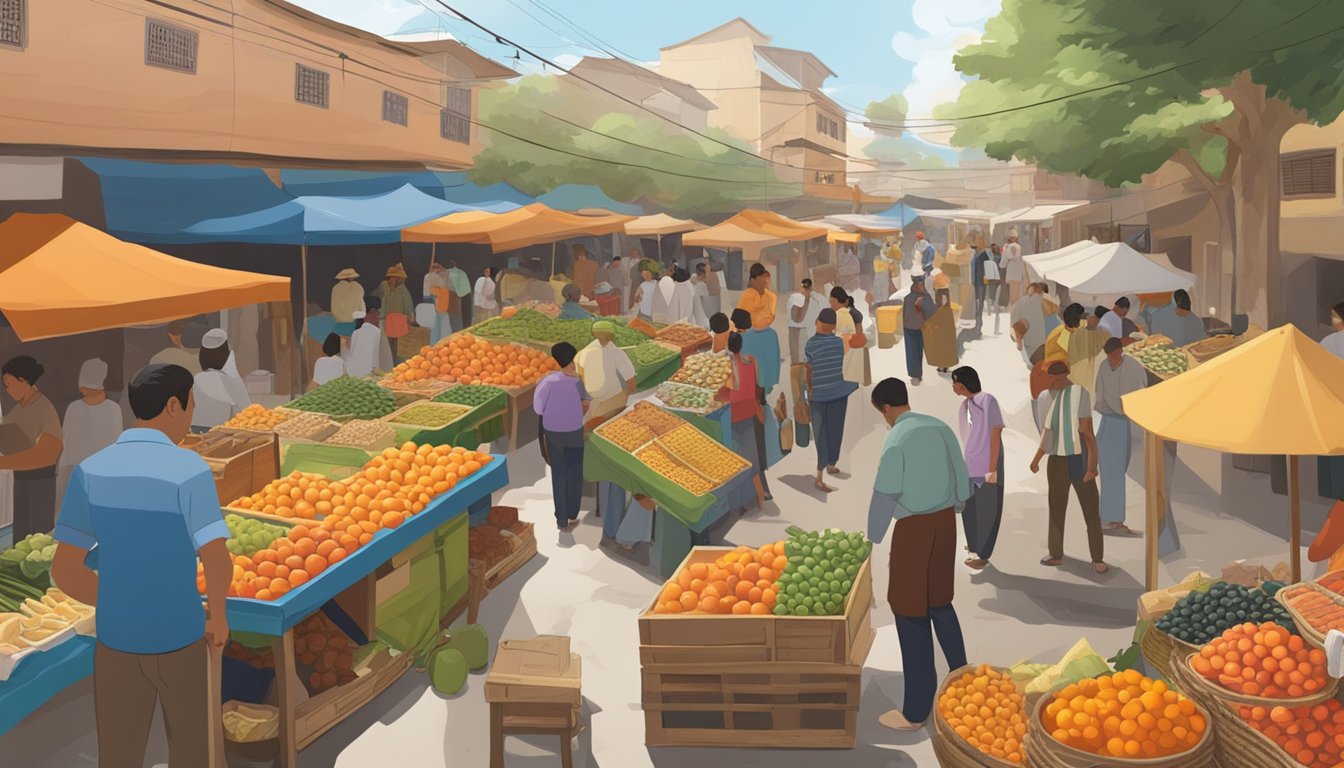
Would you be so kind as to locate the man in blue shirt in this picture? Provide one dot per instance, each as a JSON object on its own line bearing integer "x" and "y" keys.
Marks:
{"x": 920, "y": 480}
{"x": 827, "y": 393}
{"x": 151, "y": 510}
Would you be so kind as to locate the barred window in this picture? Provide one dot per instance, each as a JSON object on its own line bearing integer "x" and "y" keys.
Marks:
{"x": 1308, "y": 174}
{"x": 455, "y": 121}
{"x": 170, "y": 47}
{"x": 14, "y": 23}
{"x": 311, "y": 86}
{"x": 395, "y": 107}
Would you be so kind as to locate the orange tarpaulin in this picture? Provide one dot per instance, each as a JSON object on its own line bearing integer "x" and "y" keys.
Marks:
{"x": 530, "y": 225}
{"x": 775, "y": 225}
{"x": 58, "y": 277}
{"x": 660, "y": 224}
{"x": 728, "y": 235}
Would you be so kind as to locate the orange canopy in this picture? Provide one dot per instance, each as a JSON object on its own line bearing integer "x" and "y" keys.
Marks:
{"x": 530, "y": 225}
{"x": 728, "y": 235}
{"x": 775, "y": 225}
{"x": 58, "y": 277}
{"x": 660, "y": 224}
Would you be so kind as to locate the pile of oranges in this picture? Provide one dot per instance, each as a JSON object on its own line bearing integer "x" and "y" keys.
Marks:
{"x": 1124, "y": 715}
{"x": 987, "y": 710}
{"x": 302, "y": 495}
{"x": 1265, "y": 660}
{"x": 396, "y": 484}
{"x": 467, "y": 360}
{"x": 1313, "y": 736}
{"x": 741, "y": 583}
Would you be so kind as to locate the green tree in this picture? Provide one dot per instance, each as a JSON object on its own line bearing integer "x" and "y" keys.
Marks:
{"x": 541, "y": 134}
{"x": 887, "y": 115}
{"x": 1118, "y": 89}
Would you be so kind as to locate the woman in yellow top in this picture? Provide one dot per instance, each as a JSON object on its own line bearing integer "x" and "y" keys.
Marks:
{"x": 761, "y": 342}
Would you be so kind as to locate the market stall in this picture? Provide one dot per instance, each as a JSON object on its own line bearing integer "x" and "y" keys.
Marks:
{"x": 680, "y": 462}
{"x": 1105, "y": 269}
{"x": 1278, "y": 394}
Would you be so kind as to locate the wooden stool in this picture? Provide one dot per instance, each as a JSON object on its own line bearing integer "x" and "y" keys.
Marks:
{"x": 534, "y": 687}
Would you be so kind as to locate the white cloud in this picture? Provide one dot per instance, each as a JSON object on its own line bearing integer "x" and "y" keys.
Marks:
{"x": 381, "y": 17}
{"x": 944, "y": 27}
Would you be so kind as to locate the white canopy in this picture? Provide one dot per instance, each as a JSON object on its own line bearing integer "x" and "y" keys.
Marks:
{"x": 865, "y": 223}
{"x": 1034, "y": 214}
{"x": 1105, "y": 268}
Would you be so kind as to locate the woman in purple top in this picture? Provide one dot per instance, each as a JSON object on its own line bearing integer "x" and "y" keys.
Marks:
{"x": 981, "y": 425}
{"x": 561, "y": 401}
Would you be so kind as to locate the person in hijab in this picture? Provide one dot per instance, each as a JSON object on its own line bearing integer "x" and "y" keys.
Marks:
{"x": 220, "y": 395}
{"x": 332, "y": 366}
{"x": 91, "y": 423}
{"x": 38, "y": 426}
{"x": 570, "y": 309}
{"x": 662, "y": 298}
{"x": 683, "y": 307}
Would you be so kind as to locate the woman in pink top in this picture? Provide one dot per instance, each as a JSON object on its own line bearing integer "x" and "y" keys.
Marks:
{"x": 980, "y": 423}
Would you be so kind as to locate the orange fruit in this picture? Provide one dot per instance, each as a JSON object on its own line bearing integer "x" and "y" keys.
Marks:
{"x": 326, "y": 547}
{"x": 336, "y": 556}
{"x": 315, "y": 564}
{"x": 266, "y": 568}
{"x": 392, "y": 519}
{"x": 304, "y": 547}
{"x": 282, "y": 571}
{"x": 689, "y": 601}
{"x": 741, "y": 608}
{"x": 298, "y": 578}
{"x": 670, "y": 592}
{"x": 709, "y": 604}
{"x": 295, "y": 562}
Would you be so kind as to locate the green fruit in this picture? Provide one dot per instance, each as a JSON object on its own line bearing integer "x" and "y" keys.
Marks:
{"x": 448, "y": 671}
{"x": 474, "y": 644}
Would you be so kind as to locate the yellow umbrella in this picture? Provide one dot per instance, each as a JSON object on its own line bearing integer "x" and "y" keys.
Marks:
{"x": 1281, "y": 393}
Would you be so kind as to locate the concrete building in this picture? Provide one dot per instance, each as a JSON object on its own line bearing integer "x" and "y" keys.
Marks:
{"x": 1311, "y": 232}
{"x": 670, "y": 98}
{"x": 262, "y": 82}
{"x": 771, "y": 98}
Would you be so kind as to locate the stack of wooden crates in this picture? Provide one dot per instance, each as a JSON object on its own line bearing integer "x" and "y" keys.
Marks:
{"x": 755, "y": 681}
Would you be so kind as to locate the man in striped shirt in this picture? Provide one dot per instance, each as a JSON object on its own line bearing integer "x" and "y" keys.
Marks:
{"x": 1069, "y": 442}
{"x": 828, "y": 393}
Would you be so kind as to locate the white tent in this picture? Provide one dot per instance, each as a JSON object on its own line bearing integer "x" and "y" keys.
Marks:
{"x": 1106, "y": 268}
{"x": 876, "y": 226}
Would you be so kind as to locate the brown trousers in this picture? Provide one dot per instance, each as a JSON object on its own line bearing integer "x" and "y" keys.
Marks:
{"x": 923, "y": 563}
{"x": 1060, "y": 477}
{"x": 125, "y": 689}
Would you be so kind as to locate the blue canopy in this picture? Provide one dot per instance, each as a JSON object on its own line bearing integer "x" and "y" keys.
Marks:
{"x": 320, "y": 220}
{"x": 453, "y": 187}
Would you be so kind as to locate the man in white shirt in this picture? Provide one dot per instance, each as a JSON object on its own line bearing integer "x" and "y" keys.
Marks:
{"x": 184, "y": 348}
{"x": 367, "y": 347}
{"x": 91, "y": 423}
{"x": 607, "y": 372}
{"x": 220, "y": 393}
{"x": 1114, "y": 322}
{"x": 804, "y": 306}
{"x": 1117, "y": 376}
{"x": 1014, "y": 270}
{"x": 435, "y": 289}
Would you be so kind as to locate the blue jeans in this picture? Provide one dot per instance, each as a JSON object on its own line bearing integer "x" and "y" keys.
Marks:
{"x": 566, "y": 473}
{"x": 914, "y": 353}
{"x": 1113, "y": 450}
{"x": 916, "y": 637}
{"x": 828, "y": 426}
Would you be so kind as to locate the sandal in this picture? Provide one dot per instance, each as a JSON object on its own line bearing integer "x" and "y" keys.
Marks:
{"x": 1052, "y": 562}
{"x": 1101, "y": 568}
{"x": 976, "y": 564}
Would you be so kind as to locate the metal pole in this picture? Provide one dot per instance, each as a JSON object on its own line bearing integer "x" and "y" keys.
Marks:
{"x": 1154, "y": 485}
{"x": 1294, "y": 520}
{"x": 303, "y": 307}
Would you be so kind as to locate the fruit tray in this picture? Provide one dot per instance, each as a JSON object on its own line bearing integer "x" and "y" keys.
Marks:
{"x": 668, "y": 392}
{"x": 10, "y": 661}
{"x": 452, "y": 412}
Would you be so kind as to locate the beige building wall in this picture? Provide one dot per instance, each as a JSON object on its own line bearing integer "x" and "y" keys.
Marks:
{"x": 725, "y": 72}
{"x": 82, "y": 82}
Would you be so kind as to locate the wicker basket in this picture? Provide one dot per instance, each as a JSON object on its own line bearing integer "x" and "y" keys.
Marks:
{"x": 1238, "y": 742}
{"x": 1304, "y": 627}
{"x": 951, "y": 750}
{"x": 1159, "y": 647}
{"x": 1044, "y": 752}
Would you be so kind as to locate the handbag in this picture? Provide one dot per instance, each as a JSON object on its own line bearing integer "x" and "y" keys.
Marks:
{"x": 802, "y": 435}
{"x": 785, "y": 436}
{"x": 858, "y": 340}
{"x": 396, "y": 325}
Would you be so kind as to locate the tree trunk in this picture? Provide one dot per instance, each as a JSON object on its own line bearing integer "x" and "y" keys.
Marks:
{"x": 1256, "y": 277}
{"x": 1222, "y": 195}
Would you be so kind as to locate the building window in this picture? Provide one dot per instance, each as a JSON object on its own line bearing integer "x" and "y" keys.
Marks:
{"x": 455, "y": 121}
{"x": 394, "y": 107}
{"x": 821, "y": 123}
{"x": 1308, "y": 174}
{"x": 170, "y": 47}
{"x": 14, "y": 23}
{"x": 311, "y": 86}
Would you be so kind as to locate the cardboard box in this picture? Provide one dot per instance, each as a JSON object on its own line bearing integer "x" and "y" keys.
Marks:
{"x": 539, "y": 671}
{"x": 391, "y": 584}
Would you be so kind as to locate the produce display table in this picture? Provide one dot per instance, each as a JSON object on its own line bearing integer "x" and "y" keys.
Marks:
{"x": 650, "y": 376}
{"x": 680, "y": 516}
{"x": 42, "y": 676}
{"x": 484, "y": 424}
{"x": 300, "y": 725}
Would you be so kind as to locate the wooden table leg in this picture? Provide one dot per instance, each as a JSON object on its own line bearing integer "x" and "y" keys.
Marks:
{"x": 567, "y": 749}
{"x": 496, "y": 736}
{"x": 282, "y": 649}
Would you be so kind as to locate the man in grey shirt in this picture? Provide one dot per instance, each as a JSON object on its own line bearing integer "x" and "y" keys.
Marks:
{"x": 917, "y": 306}
{"x": 1117, "y": 376}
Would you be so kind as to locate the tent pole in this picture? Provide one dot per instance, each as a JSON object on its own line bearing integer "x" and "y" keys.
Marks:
{"x": 1154, "y": 505}
{"x": 303, "y": 307}
{"x": 1294, "y": 520}
{"x": 553, "y": 245}
{"x": 433, "y": 253}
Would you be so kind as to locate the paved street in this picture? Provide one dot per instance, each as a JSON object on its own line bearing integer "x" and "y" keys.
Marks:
{"x": 1014, "y": 610}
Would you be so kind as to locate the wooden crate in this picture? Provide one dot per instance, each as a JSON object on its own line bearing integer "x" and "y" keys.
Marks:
{"x": 242, "y": 462}
{"x": 673, "y": 638}
{"x": 320, "y": 713}
{"x": 524, "y": 549}
{"x": 800, "y": 710}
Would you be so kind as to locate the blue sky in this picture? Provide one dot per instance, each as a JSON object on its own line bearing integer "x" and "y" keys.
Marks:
{"x": 876, "y": 47}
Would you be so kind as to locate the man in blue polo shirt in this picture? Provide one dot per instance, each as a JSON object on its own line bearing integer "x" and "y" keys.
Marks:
{"x": 151, "y": 509}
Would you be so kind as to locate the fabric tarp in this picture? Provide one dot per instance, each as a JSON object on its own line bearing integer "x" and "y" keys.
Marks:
{"x": 1106, "y": 268}
{"x": 1036, "y": 214}
{"x": 530, "y": 225}
{"x": 455, "y": 187}
{"x": 318, "y": 220}
{"x": 877, "y": 226}
{"x": 836, "y": 234}
{"x": 1280, "y": 393}
{"x": 660, "y": 224}
{"x": 58, "y": 277}
{"x": 730, "y": 236}
{"x": 775, "y": 225}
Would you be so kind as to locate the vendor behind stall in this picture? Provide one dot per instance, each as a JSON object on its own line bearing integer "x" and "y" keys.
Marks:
{"x": 571, "y": 310}
{"x": 30, "y": 439}
{"x": 761, "y": 342}
{"x": 607, "y": 372}
{"x": 719, "y": 327}
{"x": 91, "y": 423}
{"x": 220, "y": 395}
{"x": 184, "y": 346}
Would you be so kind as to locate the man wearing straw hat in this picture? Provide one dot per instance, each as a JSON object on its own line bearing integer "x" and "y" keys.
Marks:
{"x": 347, "y": 298}
{"x": 398, "y": 307}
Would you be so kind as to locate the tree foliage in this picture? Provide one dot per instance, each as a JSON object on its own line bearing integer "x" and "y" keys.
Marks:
{"x": 888, "y": 114}
{"x": 629, "y": 154}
